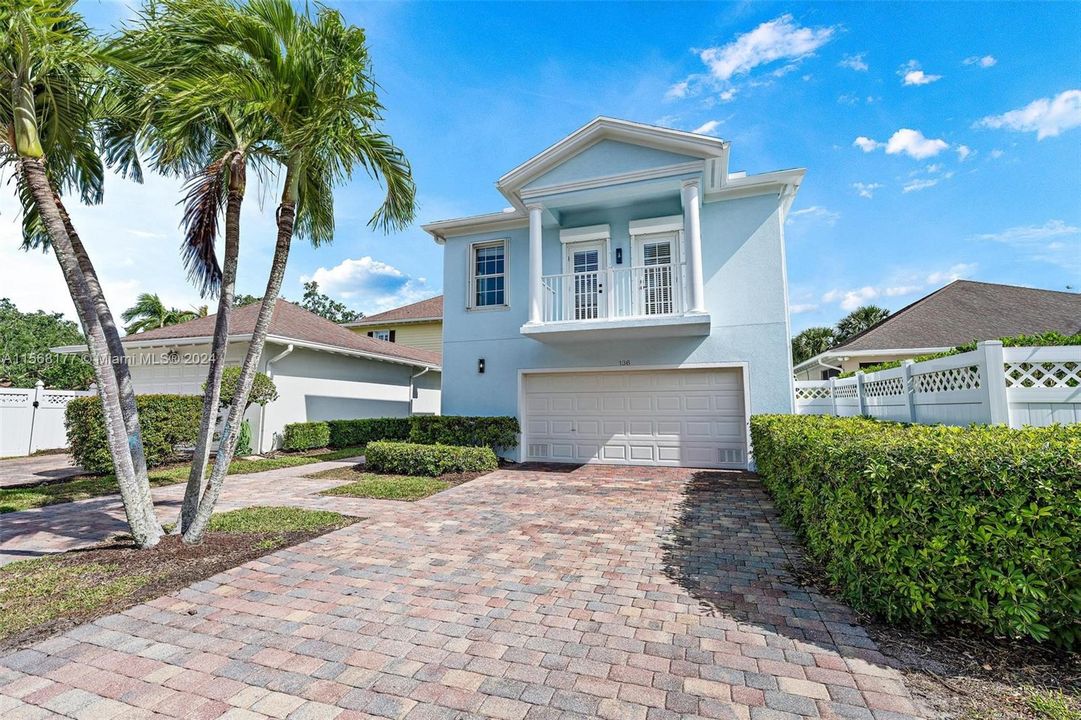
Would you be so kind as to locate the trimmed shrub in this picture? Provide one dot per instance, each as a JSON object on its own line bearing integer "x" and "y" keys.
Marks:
{"x": 167, "y": 421}
{"x": 357, "y": 433}
{"x": 431, "y": 460}
{"x": 463, "y": 430}
{"x": 929, "y": 525}
{"x": 305, "y": 436}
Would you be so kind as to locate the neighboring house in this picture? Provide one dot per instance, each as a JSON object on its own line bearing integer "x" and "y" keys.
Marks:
{"x": 631, "y": 305}
{"x": 419, "y": 325}
{"x": 322, "y": 371}
{"x": 961, "y": 312}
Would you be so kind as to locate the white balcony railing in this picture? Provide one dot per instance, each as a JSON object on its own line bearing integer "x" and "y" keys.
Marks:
{"x": 615, "y": 293}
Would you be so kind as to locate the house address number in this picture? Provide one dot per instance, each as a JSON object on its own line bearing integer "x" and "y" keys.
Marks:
{"x": 624, "y": 362}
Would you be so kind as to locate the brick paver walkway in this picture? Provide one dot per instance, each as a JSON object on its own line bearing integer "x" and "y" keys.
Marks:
{"x": 630, "y": 594}
{"x": 68, "y": 526}
{"x": 36, "y": 469}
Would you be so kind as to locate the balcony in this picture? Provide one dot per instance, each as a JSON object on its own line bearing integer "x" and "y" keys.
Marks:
{"x": 644, "y": 301}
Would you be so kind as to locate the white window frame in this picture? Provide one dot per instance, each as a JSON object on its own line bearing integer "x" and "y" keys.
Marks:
{"x": 377, "y": 333}
{"x": 471, "y": 270}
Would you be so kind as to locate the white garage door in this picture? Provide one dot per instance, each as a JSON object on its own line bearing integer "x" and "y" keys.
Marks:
{"x": 176, "y": 378}
{"x": 685, "y": 418}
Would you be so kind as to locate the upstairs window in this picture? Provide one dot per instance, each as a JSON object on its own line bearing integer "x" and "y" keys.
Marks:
{"x": 489, "y": 275}
{"x": 387, "y": 335}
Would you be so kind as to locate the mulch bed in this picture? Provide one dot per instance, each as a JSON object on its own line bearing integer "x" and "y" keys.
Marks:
{"x": 173, "y": 564}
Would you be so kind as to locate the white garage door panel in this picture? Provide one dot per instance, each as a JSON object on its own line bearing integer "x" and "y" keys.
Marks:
{"x": 693, "y": 418}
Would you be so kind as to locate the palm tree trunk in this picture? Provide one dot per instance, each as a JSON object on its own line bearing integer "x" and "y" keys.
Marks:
{"x": 145, "y": 529}
{"x": 220, "y": 347}
{"x": 128, "y": 409}
{"x": 230, "y": 431}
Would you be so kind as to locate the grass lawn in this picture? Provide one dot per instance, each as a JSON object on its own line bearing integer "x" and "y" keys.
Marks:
{"x": 89, "y": 486}
{"x": 363, "y": 484}
{"x": 45, "y": 595}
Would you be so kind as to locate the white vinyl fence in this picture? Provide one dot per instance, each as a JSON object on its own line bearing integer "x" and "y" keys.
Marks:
{"x": 993, "y": 384}
{"x": 32, "y": 419}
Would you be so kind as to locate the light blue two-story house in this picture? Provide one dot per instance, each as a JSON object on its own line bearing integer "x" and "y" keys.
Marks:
{"x": 630, "y": 307}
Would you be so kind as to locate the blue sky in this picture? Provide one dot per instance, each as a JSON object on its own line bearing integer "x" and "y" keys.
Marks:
{"x": 941, "y": 141}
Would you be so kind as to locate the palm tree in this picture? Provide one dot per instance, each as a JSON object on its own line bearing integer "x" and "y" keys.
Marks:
{"x": 811, "y": 342}
{"x": 149, "y": 312}
{"x": 49, "y": 112}
{"x": 309, "y": 78}
{"x": 860, "y": 319}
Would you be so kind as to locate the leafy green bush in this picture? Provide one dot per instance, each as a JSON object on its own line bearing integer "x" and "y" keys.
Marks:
{"x": 431, "y": 460}
{"x": 305, "y": 436}
{"x": 263, "y": 389}
{"x": 357, "y": 433}
{"x": 492, "y": 432}
{"x": 932, "y": 524}
{"x": 166, "y": 420}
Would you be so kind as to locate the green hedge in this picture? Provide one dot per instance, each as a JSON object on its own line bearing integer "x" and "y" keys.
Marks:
{"x": 305, "y": 436}
{"x": 166, "y": 421}
{"x": 492, "y": 432}
{"x": 358, "y": 433}
{"x": 928, "y": 525}
{"x": 432, "y": 460}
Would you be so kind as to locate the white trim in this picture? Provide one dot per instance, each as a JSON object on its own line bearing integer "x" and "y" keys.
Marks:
{"x": 743, "y": 365}
{"x": 471, "y": 269}
{"x": 488, "y": 222}
{"x": 695, "y": 166}
{"x": 648, "y": 226}
{"x": 585, "y": 234}
{"x": 763, "y": 184}
{"x": 380, "y": 323}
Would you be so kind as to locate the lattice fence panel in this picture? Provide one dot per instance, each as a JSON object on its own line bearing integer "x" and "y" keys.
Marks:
{"x": 887, "y": 387}
{"x": 813, "y": 393}
{"x": 1060, "y": 374}
{"x": 961, "y": 378}
{"x": 845, "y": 391}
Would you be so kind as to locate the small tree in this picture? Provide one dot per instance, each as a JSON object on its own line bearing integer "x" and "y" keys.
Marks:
{"x": 25, "y": 358}
{"x": 811, "y": 342}
{"x": 263, "y": 391}
{"x": 326, "y": 306}
{"x": 860, "y": 319}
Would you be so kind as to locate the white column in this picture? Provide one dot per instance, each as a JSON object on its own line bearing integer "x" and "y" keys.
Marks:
{"x": 692, "y": 228}
{"x": 535, "y": 256}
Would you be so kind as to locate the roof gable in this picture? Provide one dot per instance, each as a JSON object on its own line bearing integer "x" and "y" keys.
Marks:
{"x": 430, "y": 310}
{"x": 608, "y": 157}
{"x": 672, "y": 144}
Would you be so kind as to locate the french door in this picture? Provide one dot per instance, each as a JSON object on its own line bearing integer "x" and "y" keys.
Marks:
{"x": 585, "y": 263}
{"x": 656, "y": 279}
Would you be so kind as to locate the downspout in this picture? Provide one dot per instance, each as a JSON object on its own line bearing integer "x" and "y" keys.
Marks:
{"x": 411, "y": 379}
{"x": 262, "y": 408}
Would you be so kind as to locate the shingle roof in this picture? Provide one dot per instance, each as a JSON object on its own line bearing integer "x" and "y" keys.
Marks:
{"x": 292, "y": 323}
{"x": 965, "y": 310}
{"x": 430, "y": 309}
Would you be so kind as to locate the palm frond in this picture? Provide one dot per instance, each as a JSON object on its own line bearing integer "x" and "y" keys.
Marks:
{"x": 203, "y": 202}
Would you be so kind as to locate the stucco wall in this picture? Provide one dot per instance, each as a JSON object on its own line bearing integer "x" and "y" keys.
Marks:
{"x": 608, "y": 157}
{"x": 743, "y": 270}
{"x": 425, "y": 336}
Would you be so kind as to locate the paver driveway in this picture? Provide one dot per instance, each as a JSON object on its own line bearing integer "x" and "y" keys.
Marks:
{"x": 601, "y": 592}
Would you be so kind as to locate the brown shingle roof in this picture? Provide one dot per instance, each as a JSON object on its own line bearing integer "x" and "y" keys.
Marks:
{"x": 430, "y": 309}
{"x": 291, "y": 323}
{"x": 965, "y": 310}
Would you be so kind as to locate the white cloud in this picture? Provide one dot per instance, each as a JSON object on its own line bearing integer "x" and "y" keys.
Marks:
{"x": 797, "y": 308}
{"x": 780, "y": 39}
{"x": 996, "y": 154}
{"x": 910, "y": 142}
{"x": 1047, "y": 117}
{"x": 914, "y": 144}
{"x": 985, "y": 61}
{"x": 866, "y": 144}
{"x": 963, "y": 152}
{"x": 851, "y": 299}
{"x": 919, "y": 184}
{"x": 369, "y": 284}
{"x": 707, "y": 127}
{"x": 815, "y": 212}
{"x": 1054, "y": 242}
{"x": 854, "y": 62}
{"x": 866, "y": 190}
{"x": 911, "y": 74}
{"x": 898, "y": 290}
{"x": 954, "y": 272}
